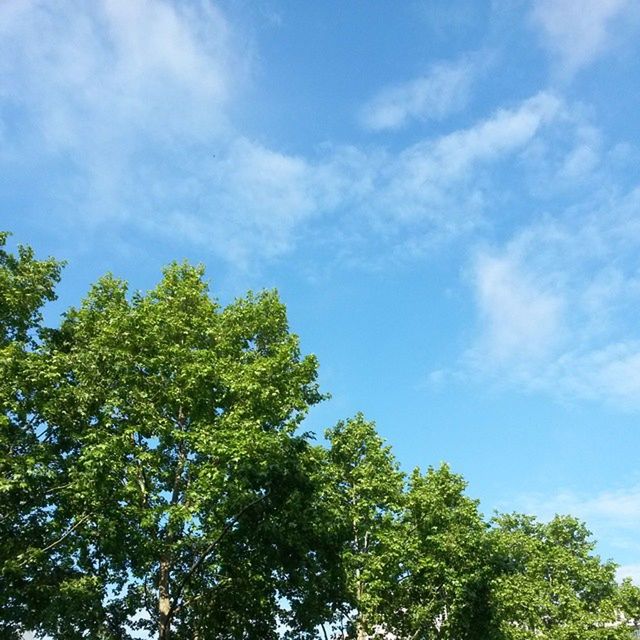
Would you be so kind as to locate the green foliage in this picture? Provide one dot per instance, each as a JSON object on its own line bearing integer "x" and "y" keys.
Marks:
{"x": 25, "y": 285}
{"x": 548, "y": 584}
{"x": 442, "y": 592}
{"x": 27, "y": 472}
{"x": 368, "y": 486}
{"x": 171, "y": 425}
{"x": 153, "y": 477}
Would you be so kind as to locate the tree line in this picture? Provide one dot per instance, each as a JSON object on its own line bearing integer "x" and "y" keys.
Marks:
{"x": 155, "y": 477}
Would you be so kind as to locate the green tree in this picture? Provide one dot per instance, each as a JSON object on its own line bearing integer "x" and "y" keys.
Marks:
{"x": 184, "y": 498}
{"x": 442, "y": 590}
{"x": 548, "y": 584}
{"x": 368, "y": 486}
{"x": 27, "y": 475}
{"x": 628, "y": 603}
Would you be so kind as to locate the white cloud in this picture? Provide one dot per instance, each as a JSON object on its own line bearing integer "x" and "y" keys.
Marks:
{"x": 135, "y": 101}
{"x": 427, "y": 189}
{"x": 610, "y": 372}
{"x": 444, "y": 90}
{"x": 104, "y": 99}
{"x": 619, "y": 508}
{"x": 266, "y": 197}
{"x": 249, "y": 202}
{"x": 522, "y": 317}
{"x": 252, "y": 200}
{"x": 507, "y": 130}
{"x": 576, "y": 32}
{"x": 100, "y": 72}
{"x": 556, "y": 304}
{"x": 445, "y": 182}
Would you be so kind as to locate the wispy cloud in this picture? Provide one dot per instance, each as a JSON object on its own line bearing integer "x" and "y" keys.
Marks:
{"x": 123, "y": 115}
{"x": 502, "y": 133}
{"x": 443, "y": 90}
{"x": 523, "y": 315}
{"x": 619, "y": 508}
{"x": 444, "y": 182}
{"x": 249, "y": 201}
{"x": 252, "y": 200}
{"x": 100, "y": 99}
{"x": 557, "y": 303}
{"x": 123, "y": 110}
{"x": 99, "y": 72}
{"x": 431, "y": 192}
{"x": 576, "y": 32}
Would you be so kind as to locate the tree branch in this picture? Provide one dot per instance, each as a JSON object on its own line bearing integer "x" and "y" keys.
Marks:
{"x": 141, "y": 476}
{"x": 175, "y": 494}
{"x": 198, "y": 563}
{"x": 61, "y": 539}
{"x": 186, "y": 603}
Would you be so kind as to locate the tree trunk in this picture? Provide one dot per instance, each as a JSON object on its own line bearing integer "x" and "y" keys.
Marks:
{"x": 360, "y": 632}
{"x": 164, "y": 601}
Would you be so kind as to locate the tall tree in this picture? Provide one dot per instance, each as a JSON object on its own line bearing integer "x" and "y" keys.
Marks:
{"x": 548, "y": 583}
{"x": 26, "y": 461}
{"x": 442, "y": 591}
{"x": 369, "y": 486}
{"x": 183, "y": 494}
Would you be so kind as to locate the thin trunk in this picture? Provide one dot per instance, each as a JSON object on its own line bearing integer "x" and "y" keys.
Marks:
{"x": 165, "y": 608}
{"x": 361, "y": 633}
{"x": 180, "y": 462}
{"x": 164, "y": 601}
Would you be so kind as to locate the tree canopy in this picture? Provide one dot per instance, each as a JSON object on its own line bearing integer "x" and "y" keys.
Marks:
{"x": 155, "y": 478}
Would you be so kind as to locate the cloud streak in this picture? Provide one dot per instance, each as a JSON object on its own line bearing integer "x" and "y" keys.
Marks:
{"x": 557, "y": 302}
{"x": 522, "y": 316}
{"x": 577, "y": 32}
{"x": 122, "y": 113}
{"x": 440, "y": 187}
{"x": 104, "y": 71}
{"x": 437, "y": 94}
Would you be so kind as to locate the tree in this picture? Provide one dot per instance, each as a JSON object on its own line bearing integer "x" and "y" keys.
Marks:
{"x": 628, "y": 604}
{"x": 548, "y": 584}
{"x": 26, "y": 474}
{"x": 368, "y": 486}
{"x": 183, "y": 493}
{"x": 443, "y": 587}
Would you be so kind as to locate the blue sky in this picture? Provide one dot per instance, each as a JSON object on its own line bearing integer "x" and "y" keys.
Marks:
{"x": 446, "y": 195}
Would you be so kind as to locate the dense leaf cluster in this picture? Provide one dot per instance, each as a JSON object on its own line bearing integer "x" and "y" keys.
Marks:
{"x": 154, "y": 479}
